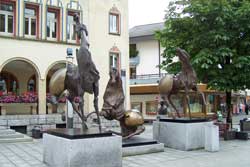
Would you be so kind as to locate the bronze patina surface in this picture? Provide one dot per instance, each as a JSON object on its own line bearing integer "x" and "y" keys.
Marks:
{"x": 186, "y": 79}
{"x": 78, "y": 79}
{"x": 131, "y": 122}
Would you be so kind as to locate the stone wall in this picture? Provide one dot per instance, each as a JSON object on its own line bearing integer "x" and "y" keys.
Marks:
{"x": 48, "y": 121}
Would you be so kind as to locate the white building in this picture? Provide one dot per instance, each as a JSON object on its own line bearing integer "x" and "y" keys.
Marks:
{"x": 145, "y": 58}
{"x": 142, "y": 39}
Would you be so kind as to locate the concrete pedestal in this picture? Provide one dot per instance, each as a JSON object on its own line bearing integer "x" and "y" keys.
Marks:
{"x": 90, "y": 151}
{"x": 3, "y": 110}
{"x": 138, "y": 145}
{"x": 212, "y": 138}
{"x": 181, "y": 135}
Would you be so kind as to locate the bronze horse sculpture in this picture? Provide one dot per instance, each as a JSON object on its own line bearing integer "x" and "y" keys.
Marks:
{"x": 186, "y": 79}
{"x": 78, "y": 79}
{"x": 131, "y": 122}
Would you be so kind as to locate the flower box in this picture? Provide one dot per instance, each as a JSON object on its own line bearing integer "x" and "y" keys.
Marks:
{"x": 151, "y": 113}
{"x": 202, "y": 87}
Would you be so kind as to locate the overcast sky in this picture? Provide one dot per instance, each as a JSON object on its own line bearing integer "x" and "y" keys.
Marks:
{"x": 146, "y": 11}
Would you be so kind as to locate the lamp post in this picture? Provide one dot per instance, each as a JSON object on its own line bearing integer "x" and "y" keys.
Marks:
{"x": 123, "y": 77}
{"x": 70, "y": 112}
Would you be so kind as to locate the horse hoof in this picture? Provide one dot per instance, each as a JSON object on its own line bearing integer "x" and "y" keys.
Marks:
{"x": 85, "y": 127}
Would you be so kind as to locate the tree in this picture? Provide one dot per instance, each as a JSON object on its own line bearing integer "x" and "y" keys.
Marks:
{"x": 216, "y": 33}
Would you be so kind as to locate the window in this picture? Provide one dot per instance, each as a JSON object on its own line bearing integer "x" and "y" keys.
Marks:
{"x": 7, "y": 18}
{"x": 114, "y": 61}
{"x": 8, "y": 83}
{"x": 137, "y": 106}
{"x": 71, "y": 26}
{"x": 32, "y": 84}
{"x": 151, "y": 108}
{"x": 3, "y": 86}
{"x": 114, "y": 21}
{"x": 53, "y": 24}
{"x": 132, "y": 72}
{"x": 31, "y": 21}
{"x": 133, "y": 52}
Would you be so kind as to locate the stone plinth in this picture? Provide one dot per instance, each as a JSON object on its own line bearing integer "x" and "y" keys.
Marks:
{"x": 212, "y": 138}
{"x": 180, "y": 134}
{"x": 138, "y": 145}
{"x": 82, "y": 149}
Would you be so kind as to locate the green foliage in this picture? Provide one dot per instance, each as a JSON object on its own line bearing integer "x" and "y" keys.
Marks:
{"x": 132, "y": 51}
{"x": 216, "y": 33}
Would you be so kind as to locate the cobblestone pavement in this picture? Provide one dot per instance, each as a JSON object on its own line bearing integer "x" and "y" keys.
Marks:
{"x": 232, "y": 154}
{"x": 21, "y": 155}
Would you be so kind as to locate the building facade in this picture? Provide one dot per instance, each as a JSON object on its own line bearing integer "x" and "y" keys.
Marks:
{"x": 34, "y": 37}
{"x": 145, "y": 58}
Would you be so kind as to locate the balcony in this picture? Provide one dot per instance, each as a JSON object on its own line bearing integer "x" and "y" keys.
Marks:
{"x": 134, "y": 61}
{"x": 146, "y": 79}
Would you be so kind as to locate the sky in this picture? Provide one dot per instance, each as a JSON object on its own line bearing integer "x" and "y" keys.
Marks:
{"x": 146, "y": 11}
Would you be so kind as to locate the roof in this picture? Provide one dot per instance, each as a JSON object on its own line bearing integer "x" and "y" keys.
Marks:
{"x": 145, "y": 30}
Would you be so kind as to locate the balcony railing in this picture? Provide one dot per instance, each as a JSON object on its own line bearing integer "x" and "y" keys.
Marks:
{"x": 146, "y": 78}
{"x": 134, "y": 61}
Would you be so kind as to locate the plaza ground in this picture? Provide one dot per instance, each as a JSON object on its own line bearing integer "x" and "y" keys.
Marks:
{"x": 232, "y": 153}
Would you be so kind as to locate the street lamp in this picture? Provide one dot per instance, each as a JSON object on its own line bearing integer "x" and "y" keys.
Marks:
{"x": 70, "y": 112}
{"x": 69, "y": 57}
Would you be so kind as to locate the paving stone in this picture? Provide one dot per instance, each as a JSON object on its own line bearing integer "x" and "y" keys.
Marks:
{"x": 232, "y": 153}
{"x": 8, "y": 165}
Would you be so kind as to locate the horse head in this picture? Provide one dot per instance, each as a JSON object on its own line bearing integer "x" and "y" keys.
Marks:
{"x": 182, "y": 54}
{"x": 81, "y": 31}
{"x": 114, "y": 76}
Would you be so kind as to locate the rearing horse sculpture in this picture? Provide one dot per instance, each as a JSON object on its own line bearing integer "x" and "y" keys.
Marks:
{"x": 186, "y": 80}
{"x": 131, "y": 122}
{"x": 78, "y": 79}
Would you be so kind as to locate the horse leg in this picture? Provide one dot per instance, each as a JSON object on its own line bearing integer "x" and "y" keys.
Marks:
{"x": 172, "y": 104}
{"x": 163, "y": 97}
{"x": 202, "y": 95}
{"x": 203, "y": 99}
{"x": 71, "y": 100}
{"x": 187, "y": 98}
{"x": 83, "y": 118}
{"x": 96, "y": 94}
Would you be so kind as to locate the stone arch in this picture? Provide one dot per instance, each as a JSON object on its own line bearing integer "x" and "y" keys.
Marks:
{"x": 22, "y": 59}
{"x": 115, "y": 49}
{"x": 114, "y": 10}
{"x": 53, "y": 64}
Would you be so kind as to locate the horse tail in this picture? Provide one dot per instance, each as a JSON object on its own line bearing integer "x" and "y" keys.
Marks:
{"x": 166, "y": 84}
{"x": 56, "y": 84}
